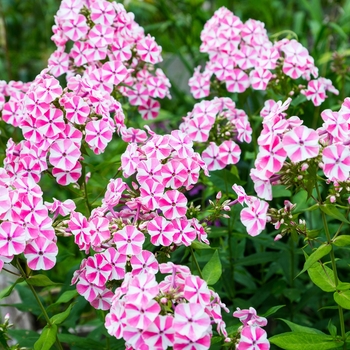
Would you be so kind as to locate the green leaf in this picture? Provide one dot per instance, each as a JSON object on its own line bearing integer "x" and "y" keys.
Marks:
{"x": 332, "y": 329}
{"x": 68, "y": 295}
{"x": 319, "y": 253}
{"x": 3, "y": 341}
{"x": 223, "y": 180}
{"x": 301, "y": 329}
{"x": 41, "y": 281}
{"x": 75, "y": 341}
{"x": 297, "y": 101}
{"x": 24, "y": 338}
{"x": 257, "y": 259}
{"x": 213, "y": 269}
{"x": 47, "y": 338}
{"x": 303, "y": 341}
{"x": 272, "y": 310}
{"x": 342, "y": 241}
{"x": 200, "y": 245}
{"x": 342, "y": 298}
{"x": 332, "y": 211}
{"x": 343, "y": 286}
{"x": 322, "y": 276}
{"x": 59, "y": 318}
{"x": 7, "y": 291}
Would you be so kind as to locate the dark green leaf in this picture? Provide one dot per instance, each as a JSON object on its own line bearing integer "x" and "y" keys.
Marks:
{"x": 7, "y": 291}
{"x": 41, "y": 281}
{"x": 200, "y": 245}
{"x": 3, "y": 341}
{"x": 332, "y": 211}
{"x": 64, "y": 298}
{"x": 332, "y": 329}
{"x": 342, "y": 298}
{"x": 59, "y": 318}
{"x": 272, "y": 310}
{"x": 319, "y": 253}
{"x": 301, "y": 329}
{"x": 82, "y": 343}
{"x": 257, "y": 259}
{"x": 343, "y": 286}
{"x": 213, "y": 269}
{"x": 47, "y": 338}
{"x": 303, "y": 341}
{"x": 24, "y": 338}
{"x": 322, "y": 276}
{"x": 342, "y": 241}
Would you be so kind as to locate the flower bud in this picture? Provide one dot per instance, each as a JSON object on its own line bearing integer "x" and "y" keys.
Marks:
{"x": 278, "y": 237}
{"x": 219, "y": 195}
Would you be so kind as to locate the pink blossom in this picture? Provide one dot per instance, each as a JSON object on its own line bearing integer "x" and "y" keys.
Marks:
{"x": 117, "y": 261}
{"x": 150, "y": 109}
{"x": 173, "y": 204}
{"x": 148, "y": 50}
{"x": 65, "y": 177}
{"x": 254, "y": 217}
{"x": 161, "y": 231}
{"x": 301, "y": 143}
{"x": 191, "y": 320}
{"x": 238, "y": 81}
{"x": 142, "y": 289}
{"x": 12, "y": 238}
{"x": 98, "y": 134}
{"x": 336, "y": 160}
{"x": 75, "y": 28}
{"x": 103, "y": 300}
{"x": 98, "y": 270}
{"x": 253, "y": 338}
{"x": 212, "y": 157}
{"x": 249, "y": 317}
{"x": 141, "y": 315}
{"x": 145, "y": 261}
{"x": 196, "y": 290}
{"x": 160, "y": 334}
{"x": 184, "y": 233}
{"x": 102, "y": 12}
{"x": 64, "y": 154}
{"x": 129, "y": 240}
{"x": 41, "y": 253}
{"x": 259, "y": 78}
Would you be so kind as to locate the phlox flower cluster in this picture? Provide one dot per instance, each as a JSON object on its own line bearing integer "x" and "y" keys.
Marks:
{"x": 251, "y": 335}
{"x": 162, "y": 167}
{"x": 287, "y": 148}
{"x": 25, "y": 224}
{"x": 100, "y": 41}
{"x": 241, "y": 56}
{"x": 218, "y": 124}
{"x": 177, "y": 312}
{"x": 55, "y": 122}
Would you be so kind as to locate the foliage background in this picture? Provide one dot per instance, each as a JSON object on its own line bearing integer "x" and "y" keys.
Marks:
{"x": 258, "y": 272}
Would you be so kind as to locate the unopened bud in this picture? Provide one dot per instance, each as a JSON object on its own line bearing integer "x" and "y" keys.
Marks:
{"x": 163, "y": 300}
{"x": 332, "y": 199}
{"x": 304, "y": 167}
{"x": 135, "y": 186}
{"x": 226, "y": 208}
{"x": 278, "y": 237}
{"x": 227, "y": 216}
{"x": 219, "y": 195}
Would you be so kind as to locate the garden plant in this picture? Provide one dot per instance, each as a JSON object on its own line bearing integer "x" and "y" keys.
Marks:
{"x": 139, "y": 213}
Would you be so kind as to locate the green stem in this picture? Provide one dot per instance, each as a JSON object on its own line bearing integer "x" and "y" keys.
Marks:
{"x": 196, "y": 262}
{"x": 334, "y": 266}
{"x": 43, "y": 310}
